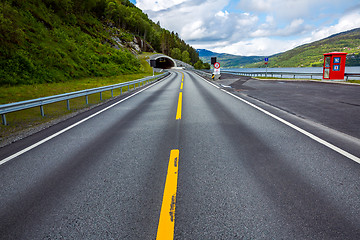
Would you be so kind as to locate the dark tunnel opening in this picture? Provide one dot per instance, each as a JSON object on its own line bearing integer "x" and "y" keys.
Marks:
{"x": 164, "y": 63}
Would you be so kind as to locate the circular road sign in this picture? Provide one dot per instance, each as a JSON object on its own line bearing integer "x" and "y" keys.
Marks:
{"x": 216, "y": 65}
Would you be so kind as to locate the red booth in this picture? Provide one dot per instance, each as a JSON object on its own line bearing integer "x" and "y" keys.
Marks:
{"x": 334, "y": 66}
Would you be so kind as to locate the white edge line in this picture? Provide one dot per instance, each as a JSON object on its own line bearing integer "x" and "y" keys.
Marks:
{"x": 306, "y": 133}
{"x": 214, "y": 85}
{"x": 211, "y": 83}
{"x": 5, "y": 160}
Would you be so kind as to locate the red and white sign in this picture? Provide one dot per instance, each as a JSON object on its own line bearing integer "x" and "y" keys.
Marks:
{"x": 216, "y": 65}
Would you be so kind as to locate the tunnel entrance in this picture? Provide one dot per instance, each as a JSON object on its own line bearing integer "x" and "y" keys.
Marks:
{"x": 164, "y": 62}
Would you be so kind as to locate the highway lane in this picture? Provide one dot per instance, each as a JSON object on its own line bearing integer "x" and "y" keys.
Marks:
{"x": 103, "y": 179}
{"x": 241, "y": 174}
{"x": 244, "y": 175}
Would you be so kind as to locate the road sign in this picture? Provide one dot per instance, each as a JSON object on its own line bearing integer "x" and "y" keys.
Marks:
{"x": 266, "y": 59}
{"x": 153, "y": 63}
{"x": 213, "y": 60}
{"x": 216, "y": 65}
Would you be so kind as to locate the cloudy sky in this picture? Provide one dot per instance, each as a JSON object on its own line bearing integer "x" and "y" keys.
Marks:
{"x": 252, "y": 27}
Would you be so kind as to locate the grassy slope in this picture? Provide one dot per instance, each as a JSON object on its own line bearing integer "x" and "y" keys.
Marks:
{"x": 38, "y": 46}
{"x": 25, "y": 92}
{"x": 21, "y": 120}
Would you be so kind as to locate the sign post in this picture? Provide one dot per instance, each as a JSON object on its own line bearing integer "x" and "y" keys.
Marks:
{"x": 216, "y": 73}
{"x": 153, "y": 64}
{"x": 266, "y": 63}
{"x": 213, "y": 60}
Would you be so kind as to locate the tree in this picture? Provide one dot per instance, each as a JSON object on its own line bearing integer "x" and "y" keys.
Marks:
{"x": 206, "y": 66}
{"x": 199, "y": 65}
{"x": 83, "y": 6}
{"x": 63, "y": 6}
{"x": 176, "y": 53}
{"x": 165, "y": 42}
{"x": 185, "y": 57}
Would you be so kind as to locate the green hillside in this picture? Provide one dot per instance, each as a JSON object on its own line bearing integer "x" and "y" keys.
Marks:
{"x": 311, "y": 55}
{"x": 44, "y": 41}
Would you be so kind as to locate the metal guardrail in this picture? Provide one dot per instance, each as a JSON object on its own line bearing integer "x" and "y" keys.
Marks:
{"x": 40, "y": 102}
{"x": 272, "y": 74}
{"x": 265, "y": 74}
{"x": 202, "y": 73}
{"x": 347, "y": 75}
{"x": 281, "y": 74}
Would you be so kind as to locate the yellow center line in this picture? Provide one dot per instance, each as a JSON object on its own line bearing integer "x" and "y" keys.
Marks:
{"x": 167, "y": 215}
{"x": 181, "y": 86}
{"x": 178, "y": 112}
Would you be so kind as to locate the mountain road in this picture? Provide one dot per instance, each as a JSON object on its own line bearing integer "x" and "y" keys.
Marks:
{"x": 182, "y": 159}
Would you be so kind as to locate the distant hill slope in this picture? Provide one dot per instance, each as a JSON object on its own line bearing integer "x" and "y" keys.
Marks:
{"x": 228, "y": 60}
{"x": 308, "y": 55}
{"x": 311, "y": 55}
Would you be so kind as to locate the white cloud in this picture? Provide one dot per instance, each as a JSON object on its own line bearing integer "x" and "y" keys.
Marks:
{"x": 288, "y": 9}
{"x": 222, "y": 14}
{"x": 256, "y": 47}
{"x": 157, "y": 5}
{"x": 194, "y": 31}
{"x": 295, "y": 27}
{"x": 347, "y": 22}
{"x": 197, "y": 20}
{"x": 258, "y": 27}
{"x": 270, "y": 20}
{"x": 269, "y": 29}
{"x": 256, "y": 5}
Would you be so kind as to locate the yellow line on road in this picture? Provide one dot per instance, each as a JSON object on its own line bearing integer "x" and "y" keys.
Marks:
{"x": 178, "y": 112}
{"x": 182, "y": 79}
{"x": 167, "y": 215}
{"x": 181, "y": 86}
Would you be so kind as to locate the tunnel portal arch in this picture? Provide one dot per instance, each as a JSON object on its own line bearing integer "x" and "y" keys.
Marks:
{"x": 164, "y": 62}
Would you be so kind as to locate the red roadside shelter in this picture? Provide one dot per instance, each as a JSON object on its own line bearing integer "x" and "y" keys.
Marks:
{"x": 334, "y": 66}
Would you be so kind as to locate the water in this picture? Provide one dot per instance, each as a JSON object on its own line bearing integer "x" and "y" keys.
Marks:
{"x": 317, "y": 70}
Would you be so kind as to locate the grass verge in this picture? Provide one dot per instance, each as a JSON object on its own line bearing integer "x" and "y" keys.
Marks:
{"x": 354, "y": 81}
{"x": 30, "y": 118}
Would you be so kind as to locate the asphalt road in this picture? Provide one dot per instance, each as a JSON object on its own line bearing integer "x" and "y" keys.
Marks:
{"x": 331, "y": 104}
{"x": 240, "y": 173}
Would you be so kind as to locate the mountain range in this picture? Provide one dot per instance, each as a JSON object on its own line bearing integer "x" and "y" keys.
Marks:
{"x": 228, "y": 60}
{"x": 307, "y": 55}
